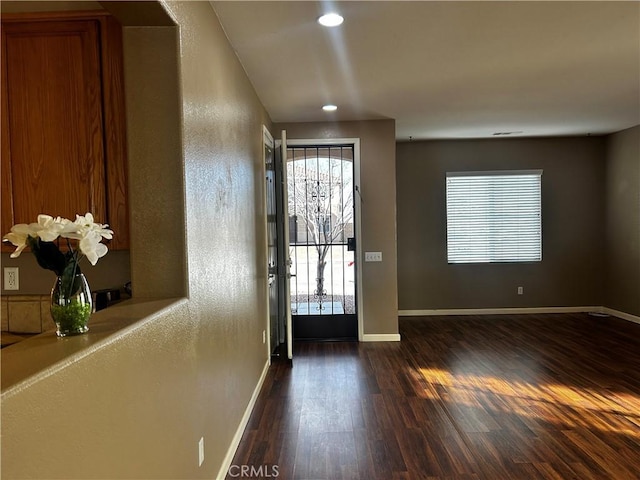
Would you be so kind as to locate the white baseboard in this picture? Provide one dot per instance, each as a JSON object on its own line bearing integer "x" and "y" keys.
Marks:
{"x": 505, "y": 311}
{"x": 222, "y": 473}
{"x": 495, "y": 311}
{"x": 623, "y": 315}
{"x": 381, "y": 337}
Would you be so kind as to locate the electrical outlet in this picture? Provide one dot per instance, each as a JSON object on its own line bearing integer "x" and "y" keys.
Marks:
{"x": 201, "y": 452}
{"x": 372, "y": 256}
{"x": 11, "y": 278}
{"x": 520, "y": 290}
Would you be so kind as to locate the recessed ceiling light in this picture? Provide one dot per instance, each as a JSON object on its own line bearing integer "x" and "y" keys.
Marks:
{"x": 330, "y": 108}
{"x": 330, "y": 20}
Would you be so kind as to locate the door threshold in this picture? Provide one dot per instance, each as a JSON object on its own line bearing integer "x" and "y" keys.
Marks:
{"x": 324, "y": 339}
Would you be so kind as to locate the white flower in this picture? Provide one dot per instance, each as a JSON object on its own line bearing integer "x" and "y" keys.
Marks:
{"x": 91, "y": 247}
{"x": 88, "y": 233}
{"x": 48, "y": 228}
{"x": 18, "y": 237}
{"x": 84, "y": 225}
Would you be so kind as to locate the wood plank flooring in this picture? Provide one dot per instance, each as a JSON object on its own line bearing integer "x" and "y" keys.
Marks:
{"x": 470, "y": 397}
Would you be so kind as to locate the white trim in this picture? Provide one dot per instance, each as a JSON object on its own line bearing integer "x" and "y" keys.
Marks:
{"x": 495, "y": 311}
{"x": 226, "y": 463}
{"x": 322, "y": 141}
{"x": 359, "y": 251}
{"x": 358, "y": 213}
{"x": 284, "y": 245}
{"x": 623, "y": 315}
{"x": 380, "y": 337}
{"x": 267, "y": 139}
{"x": 488, "y": 173}
{"x": 504, "y": 311}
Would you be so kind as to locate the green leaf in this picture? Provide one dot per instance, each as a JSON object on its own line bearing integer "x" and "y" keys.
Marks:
{"x": 48, "y": 255}
{"x": 70, "y": 280}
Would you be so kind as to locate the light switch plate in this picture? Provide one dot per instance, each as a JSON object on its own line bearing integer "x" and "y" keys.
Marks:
{"x": 372, "y": 256}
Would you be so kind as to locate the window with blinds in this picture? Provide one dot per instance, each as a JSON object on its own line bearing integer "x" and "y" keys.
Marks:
{"x": 494, "y": 216}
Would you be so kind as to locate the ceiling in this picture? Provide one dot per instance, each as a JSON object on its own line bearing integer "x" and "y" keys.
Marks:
{"x": 445, "y": 69}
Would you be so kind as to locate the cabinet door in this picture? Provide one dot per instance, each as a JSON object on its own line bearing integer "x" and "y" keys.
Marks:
{"x": 52, "y": 121}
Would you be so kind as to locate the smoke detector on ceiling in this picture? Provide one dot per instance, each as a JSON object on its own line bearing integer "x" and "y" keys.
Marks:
{"x": 502, "y": 134}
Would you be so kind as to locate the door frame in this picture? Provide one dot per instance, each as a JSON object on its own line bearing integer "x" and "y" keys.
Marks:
{"x": 284, "y": 261}
{"x": 357, "y": 203}
{"x": 267, "y": 140}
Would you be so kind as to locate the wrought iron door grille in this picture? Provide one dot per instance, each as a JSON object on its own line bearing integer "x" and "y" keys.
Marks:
{"x": 321, "y": 219}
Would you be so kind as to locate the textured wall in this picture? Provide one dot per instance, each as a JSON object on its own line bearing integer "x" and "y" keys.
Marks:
{"x": 572, "y": 270}
{"x": 133, "y": 404}
{"x": 378, "y": 187}
{"x": 112, "y": 271}
{"x": 152, "y": 92}
{"x": 623, "y": 221}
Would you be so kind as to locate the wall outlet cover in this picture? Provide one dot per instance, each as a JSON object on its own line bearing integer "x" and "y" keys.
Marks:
{"x": 11, "y": 278}
{"x": 201, "y": 452}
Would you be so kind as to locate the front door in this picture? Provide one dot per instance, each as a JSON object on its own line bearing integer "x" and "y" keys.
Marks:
{"x": 320, "y": 187}
{"x": 280, "y": 338}
{"x": 284, "y": 260}
{"x": 276, "y": 331}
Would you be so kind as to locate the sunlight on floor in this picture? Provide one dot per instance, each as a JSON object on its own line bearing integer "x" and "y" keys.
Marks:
{"x": 474, "y": 397}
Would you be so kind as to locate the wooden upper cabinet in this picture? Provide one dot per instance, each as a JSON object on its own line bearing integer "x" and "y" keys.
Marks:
{"x": 63, "y": 122}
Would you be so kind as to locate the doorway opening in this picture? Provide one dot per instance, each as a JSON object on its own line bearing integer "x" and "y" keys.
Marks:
{"x": 322, "y": 240}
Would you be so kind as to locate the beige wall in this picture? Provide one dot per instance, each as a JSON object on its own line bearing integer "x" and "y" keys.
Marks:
{"x": 572, "y": 270}
{"x": 154, "y": 114}
{"x": 135, "y": 402}
{"x": 112, "y": 271}
{"x": 623, "y": 221}
{"x": 378, "y": 189}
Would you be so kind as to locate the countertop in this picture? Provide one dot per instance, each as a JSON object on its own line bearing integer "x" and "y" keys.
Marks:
{"x": 9, "y": 338}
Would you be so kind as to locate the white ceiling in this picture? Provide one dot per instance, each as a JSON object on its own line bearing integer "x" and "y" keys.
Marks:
{"x": 445, "y": 69}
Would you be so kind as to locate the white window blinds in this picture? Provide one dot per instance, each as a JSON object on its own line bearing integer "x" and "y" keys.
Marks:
{"x": 494, "y": 216}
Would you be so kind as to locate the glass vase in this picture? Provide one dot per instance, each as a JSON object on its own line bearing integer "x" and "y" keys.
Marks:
{"x": 71, "y": 305}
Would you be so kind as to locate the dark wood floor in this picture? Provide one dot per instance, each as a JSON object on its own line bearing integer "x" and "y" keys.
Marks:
{"x": 473, "y": 397}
